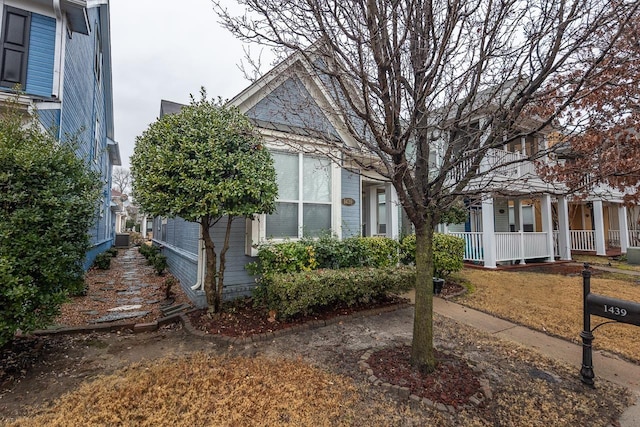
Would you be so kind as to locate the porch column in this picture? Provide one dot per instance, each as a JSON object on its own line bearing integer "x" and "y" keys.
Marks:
{"x": 598, "y": 218}
{"x": 372, "y": 220}
{"x": 488, "y": 233}
{"x": 624, "y": 228}
{"x": 547, "y": 223}
{"x": 564, "y": 237}
{"x": 391, "y": 204}
{"x": 519, "y": 226}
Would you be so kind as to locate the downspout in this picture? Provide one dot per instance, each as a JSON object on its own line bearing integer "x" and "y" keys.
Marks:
{"x": 55, "y": 92}
{"x": 201, "y": 264}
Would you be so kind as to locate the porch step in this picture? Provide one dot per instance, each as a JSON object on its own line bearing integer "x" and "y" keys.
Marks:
{"x": 168, "y": 311}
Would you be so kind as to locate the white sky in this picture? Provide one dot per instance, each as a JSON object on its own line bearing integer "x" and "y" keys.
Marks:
{"x": 164, "y": 49}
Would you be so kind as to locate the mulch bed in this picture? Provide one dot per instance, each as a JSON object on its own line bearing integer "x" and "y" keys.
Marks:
{"x": 452, "y": 383}
{"x": 241, "y": 318}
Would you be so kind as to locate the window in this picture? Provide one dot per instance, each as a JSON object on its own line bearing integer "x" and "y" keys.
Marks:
{"x": 96, "y": 141}
{"x": 16, "y": 26}
{"x": 303, "y": 207}
{"x": 97, "y": 62}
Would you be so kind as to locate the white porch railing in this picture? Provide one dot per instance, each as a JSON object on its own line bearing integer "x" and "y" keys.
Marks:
{"x": 509, "y": 246}
{"x": 473, "y": 247}
{"x": 583, "y": 240}
{"x": 614, "y": 238}
{"x": 634, "y": 237}
{"x": 517, "y": 246}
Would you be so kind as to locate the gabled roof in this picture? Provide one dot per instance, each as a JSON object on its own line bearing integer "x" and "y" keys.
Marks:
{"x": 169, "y": 107}
{"x": 322, "y": 105}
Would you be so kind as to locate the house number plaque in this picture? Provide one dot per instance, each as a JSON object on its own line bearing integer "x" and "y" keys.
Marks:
{"x": 348, "y": 201}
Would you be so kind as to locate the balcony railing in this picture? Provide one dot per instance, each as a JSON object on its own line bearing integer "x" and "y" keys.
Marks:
{"x": 501, "y": 163}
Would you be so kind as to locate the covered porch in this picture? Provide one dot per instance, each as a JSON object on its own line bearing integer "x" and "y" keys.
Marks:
{"x": 514, "y": 230}
{"x": 518, "y": 230}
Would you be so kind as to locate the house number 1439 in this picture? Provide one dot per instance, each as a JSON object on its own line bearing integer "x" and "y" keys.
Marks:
{"x": 615, "y": 310}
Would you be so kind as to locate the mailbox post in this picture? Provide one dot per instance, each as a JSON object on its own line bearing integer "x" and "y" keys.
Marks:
{"x": 616, "y": 310}
{"x": 586, "y": 372}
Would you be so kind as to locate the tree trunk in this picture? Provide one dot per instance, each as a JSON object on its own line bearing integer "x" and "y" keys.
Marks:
{"x": 422, "y": 356}
{"x": 223, "y": 259}
{"x": 210, "y": 275}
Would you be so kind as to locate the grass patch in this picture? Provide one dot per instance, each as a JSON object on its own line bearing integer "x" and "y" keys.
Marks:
{"x": 553, "y": 304}
{"x": 606, "y": 261}
{"x": 204, "y": 390}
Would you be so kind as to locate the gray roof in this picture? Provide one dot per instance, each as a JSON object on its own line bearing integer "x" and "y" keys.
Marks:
{"x": 169, "y": 107}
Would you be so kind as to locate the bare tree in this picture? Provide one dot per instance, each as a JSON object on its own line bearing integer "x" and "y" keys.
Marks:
{"x": 121, "y": 179}
{"x": 427, "y": 89}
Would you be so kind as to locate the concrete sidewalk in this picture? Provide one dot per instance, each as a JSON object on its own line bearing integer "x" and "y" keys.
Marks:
{"x": 605, "y": 365}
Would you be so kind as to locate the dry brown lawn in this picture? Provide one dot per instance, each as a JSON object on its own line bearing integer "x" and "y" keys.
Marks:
{"x": 553, "y": 304}
{"x": 202, "y": 390}
{"x": 610, "y": 262}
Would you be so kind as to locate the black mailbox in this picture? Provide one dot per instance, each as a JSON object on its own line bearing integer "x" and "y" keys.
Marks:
{"x": 614, "y": 309}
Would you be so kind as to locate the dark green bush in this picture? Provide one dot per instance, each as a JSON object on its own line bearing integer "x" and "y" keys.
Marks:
{"x": 325, "y": 252}
{"x": 113, "y": 252}
{"x": 48, "y": 202}
{"x": 159, "y": 263}
{"x": 103, "y": 261}
{"x": 290, "y": 294}
{"x": 448, "y": 253}
{"x": 286, "y": 257}
{"x": 149, "y": 251}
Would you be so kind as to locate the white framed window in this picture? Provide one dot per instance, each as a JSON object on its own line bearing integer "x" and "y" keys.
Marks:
{"x": 305, "y": 191}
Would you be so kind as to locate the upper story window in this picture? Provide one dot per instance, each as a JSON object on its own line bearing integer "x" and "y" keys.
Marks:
{"x": 527, "y": 145}
{"x": 16, "y": 25}
{"x": 303, "y": 207}
{"x": 97, "y": 63}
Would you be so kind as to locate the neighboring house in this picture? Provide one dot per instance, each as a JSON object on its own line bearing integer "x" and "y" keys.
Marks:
{"x": 59, "y": 53}
{"x": 119, "y": 204}
{"x": 520, "y": 217}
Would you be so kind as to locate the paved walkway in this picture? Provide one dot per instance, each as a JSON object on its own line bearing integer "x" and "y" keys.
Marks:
{"x": 605, "y": 365}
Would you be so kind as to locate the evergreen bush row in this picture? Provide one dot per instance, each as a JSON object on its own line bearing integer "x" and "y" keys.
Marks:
{"x": 291, "y": 294}
{"x": 298, "y": 277}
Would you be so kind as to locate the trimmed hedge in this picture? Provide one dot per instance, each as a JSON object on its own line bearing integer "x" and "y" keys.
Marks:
{"x": 291, "y": 294}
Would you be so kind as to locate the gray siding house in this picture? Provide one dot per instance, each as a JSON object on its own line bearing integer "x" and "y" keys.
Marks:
{"x": 318, "y": 192}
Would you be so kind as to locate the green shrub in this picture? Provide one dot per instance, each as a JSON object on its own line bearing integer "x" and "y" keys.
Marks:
{"x": 325, "y": 252}
{"x": 159, "y": 263}
{"x": 408, "y": 249}
{"x": 103, "y": 261}
{"x": 290, "y": 294}
{"x": 448, "y": 253}
{"x": 113, "y": 252}
{"x": 286, "y": 257}
{"x": 380, "y": 251}
{"x": 48, "y": 201}
{"x": 149, "y": 251}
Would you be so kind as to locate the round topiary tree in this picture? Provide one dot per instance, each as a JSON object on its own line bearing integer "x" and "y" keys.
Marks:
{"x": 47, "y": 203}
{"x": 202, "y": 164}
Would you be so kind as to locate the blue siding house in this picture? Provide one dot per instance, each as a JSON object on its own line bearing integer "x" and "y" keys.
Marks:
{"x": 58, "y": 53}
{"x": 318, "y": 191}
